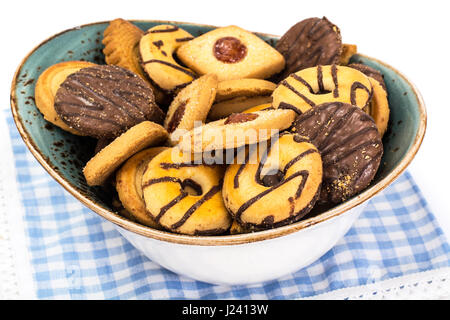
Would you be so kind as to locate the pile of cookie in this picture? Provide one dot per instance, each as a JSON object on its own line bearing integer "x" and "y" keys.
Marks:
{"x": 305, "y": 124}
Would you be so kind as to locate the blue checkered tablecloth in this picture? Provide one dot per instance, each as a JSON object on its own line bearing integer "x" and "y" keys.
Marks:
{"x": 75, "y": 254}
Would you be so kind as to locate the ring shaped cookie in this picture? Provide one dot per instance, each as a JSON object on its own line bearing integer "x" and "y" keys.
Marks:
{"x": 157, "y": 47}
{"x": 313, "y": 86}
{"x": 129, "y": 185}
{"x": 48, "y": 84}
{"x": 108, "y": 159}
{"x": 279, "y": 187}
{"x": 183, "y": 196}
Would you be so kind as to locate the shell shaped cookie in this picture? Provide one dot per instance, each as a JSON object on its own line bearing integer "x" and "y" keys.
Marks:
{"x": 183, "y": 196}
{"x": 157, "y": 47}
{"x": 231, "y": 53}
{"x": 236, "y": 130}
{"x": 274, "y": 187}
{"x": 350, "y": 145}
{"x": 48, "y": 84}
{"x": 190, "y": 105}
{"x": 129, "y": 185}
{"x": 310, "y": 87}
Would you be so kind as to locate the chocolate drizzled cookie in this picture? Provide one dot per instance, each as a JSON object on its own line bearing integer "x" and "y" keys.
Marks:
{"x": 349, "y": 143}
{"x": 309, "y": 43}
{"x": 104, "y": 101}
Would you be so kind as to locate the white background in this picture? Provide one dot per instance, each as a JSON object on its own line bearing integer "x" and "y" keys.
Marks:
{"x": 412, "y": 36}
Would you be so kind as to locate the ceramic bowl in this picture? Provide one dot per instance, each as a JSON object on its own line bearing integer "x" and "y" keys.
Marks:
{"x": 232, "y": 259}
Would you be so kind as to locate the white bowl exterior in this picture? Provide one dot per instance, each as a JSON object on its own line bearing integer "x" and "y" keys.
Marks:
{"x": 247, "y": 263}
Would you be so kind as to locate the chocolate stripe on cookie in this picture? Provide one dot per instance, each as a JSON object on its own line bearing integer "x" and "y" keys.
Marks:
{"x": 304, "y": 174}
{"x": 184, "y": 39}
{"x": 171, "y": 29}
{"x": 298, "y": 158}
{"x": 287, "y": 106}
{"x": 335, "y": 81}
{"x": 241, "y": 168}
{"x": 193, "y": 75}
{"x": 287, "y": 85}
{"x": 320, "y": 79}
{"x": 355, "y": 86}
{"x": 164, "y": 209}
{"x": 214, "y": 190}
{"x": 166, "y": 165}
{"x": 160, "y": 180}
{"x": 302, "y": 81}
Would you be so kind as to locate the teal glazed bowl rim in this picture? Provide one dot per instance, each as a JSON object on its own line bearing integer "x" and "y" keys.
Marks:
{"x": 226, "y": 239}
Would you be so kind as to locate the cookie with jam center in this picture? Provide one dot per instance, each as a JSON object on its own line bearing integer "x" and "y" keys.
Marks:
{"x": 310, "y": 43}
{"x": 105, "y": 101}
{"x": 350, "y": 145}
{"x": 231, "y": 53}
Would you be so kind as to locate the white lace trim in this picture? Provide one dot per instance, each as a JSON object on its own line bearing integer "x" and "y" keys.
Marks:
{"x": 427, "y": 285}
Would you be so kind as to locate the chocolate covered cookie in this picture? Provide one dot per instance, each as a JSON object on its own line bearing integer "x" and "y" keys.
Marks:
{"x": 309, "y": 43}
{"x": 104, "y": 101}
{"x": 350, "y": 145}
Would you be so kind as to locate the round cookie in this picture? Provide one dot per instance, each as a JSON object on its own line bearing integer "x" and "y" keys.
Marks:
{"x": 231, "y": 53}
{"x": 379, "y": 105}
{"x": 191, "y": 105}
{"x": 129, "y": 185}
{"x": 105, "y": 100}
{"x": 183, "y": 196}
{"x": 121, "y": 41}
{"x": 47, "y": 85}
{"x": 310, "y": 43}
{"x": 279, "y": 188}
{"x": 157, "y": 48}
{"x": 240, "y": 94}
{"x": 236, "y": 130}
{"x": 350, "y": 145}
{"x": 313, "y": 86}
{"x": 108, "y": 159}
